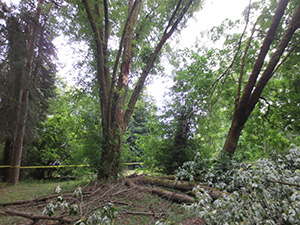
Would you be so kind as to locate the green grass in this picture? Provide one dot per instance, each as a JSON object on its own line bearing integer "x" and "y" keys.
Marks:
{"x": 31, "y": 190}
{"x": 28, "y": 191}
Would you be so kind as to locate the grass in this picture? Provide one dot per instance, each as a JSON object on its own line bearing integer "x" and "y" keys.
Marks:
{"x": 31, "y": 190}
{"x": 27, "y": 191}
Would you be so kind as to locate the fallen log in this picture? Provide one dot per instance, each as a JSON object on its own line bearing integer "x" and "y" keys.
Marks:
{"x": 175, "y": 184}
{"x": 37, "y": 217}
{"x": 176, "y": 197}
{"x": 173, "y": 177}
{"x": 179, "y": 185}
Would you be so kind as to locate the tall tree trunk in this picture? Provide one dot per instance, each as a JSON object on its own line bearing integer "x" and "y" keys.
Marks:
{"x": 18, "y": 142}
{"x": 22, "y": 112}
{"x": 253, "y": 88}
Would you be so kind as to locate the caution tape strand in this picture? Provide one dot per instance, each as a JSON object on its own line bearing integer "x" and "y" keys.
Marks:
{"x": 58, "y": 166}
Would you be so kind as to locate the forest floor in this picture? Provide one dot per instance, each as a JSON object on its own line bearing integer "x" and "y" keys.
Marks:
{"x": 135, "y": 203}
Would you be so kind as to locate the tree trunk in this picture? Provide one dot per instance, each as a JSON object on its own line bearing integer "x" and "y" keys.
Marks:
{"x": 18, "y": 142}
{"x": 253, "y": 88}
{"x": 237, "y": 125}
{"x": 6, "y": 158}
{"x": 110, "y": 157}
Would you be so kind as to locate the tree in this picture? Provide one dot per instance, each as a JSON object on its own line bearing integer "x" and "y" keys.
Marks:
{"x": 28, "y": 80}
{"x": 260, "y": 75}
{"x": 155, "y": 19}
{"x": 190, "y": 122}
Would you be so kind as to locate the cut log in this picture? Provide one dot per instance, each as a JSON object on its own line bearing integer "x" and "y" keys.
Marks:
{"x": 179, "y": 185}
{"x": 175, "y": 184}
{"x": 176, "y": 197}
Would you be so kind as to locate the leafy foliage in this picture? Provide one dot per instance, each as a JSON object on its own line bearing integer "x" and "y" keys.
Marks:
{"x": 105, "y": 216}
{"x": 264, "y": 192}
{"x": 61, "y": 205}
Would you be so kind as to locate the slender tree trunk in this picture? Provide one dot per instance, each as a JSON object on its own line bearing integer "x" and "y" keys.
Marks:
{"x": 24, "y": 98}
{"x": 18, "y": 142}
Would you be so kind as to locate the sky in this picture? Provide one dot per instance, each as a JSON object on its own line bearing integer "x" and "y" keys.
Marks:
{"x": 212, "y": 14}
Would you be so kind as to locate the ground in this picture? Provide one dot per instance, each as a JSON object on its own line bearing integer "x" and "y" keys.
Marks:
{"x": 134, "y": 206}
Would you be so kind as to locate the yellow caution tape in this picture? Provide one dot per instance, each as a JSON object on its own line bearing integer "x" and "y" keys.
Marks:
{"x": 38, "y": 167}
{"x": 58, "y": 166}
{"x": 134, "y": 163}
{"x": 5, "y": 166}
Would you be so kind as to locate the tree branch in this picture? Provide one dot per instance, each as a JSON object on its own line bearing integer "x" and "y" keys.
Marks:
{"x": 263, "y": 51}
{"x": 102, "y": 79}
{"x": 281, "y": 182}
{"x": 267, "y": 74}
{"x": 237, "y": 99}
{"x": 37, "y": 217}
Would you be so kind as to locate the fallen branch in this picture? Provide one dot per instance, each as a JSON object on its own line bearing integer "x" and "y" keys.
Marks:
{"x": 44, "y": 198}
{"x": 141, "y": 213}
{"x": 285, "y": 183}
{"x": 37, "y": 217}
{"x": 121, "y": 203}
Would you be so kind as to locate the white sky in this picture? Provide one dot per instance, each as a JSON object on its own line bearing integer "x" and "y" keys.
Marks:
{"x": 212, "y": 14}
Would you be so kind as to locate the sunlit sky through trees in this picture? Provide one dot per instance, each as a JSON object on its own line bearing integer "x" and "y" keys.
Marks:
{"x": 212, "y": 14}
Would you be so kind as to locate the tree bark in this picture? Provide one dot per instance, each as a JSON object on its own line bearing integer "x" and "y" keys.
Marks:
{"x": 18, "y": 142}
{"x": 179, "y": 185}
{"x": 254, "y": 88}
{"x": 4, "y": 172}
{"x": 176, "y": 197}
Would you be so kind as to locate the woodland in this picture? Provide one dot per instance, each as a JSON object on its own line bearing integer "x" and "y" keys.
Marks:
{"x": 224, "y": 148}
